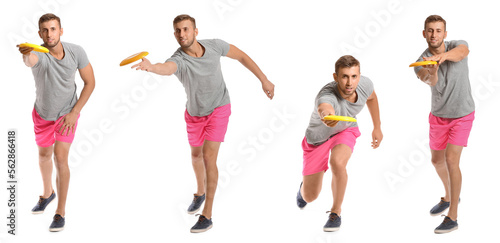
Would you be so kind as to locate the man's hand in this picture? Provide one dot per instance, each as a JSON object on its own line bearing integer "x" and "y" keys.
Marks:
{"x": 377, "y": 137}
{"x": 325, "y": 109}
{"x": 25, "y": 50}
{"x": 439, "y": 58}
{"x": 29, "y": 58}
{"x": 67, "y": 124}
{"x": 145, "y": 65}
{"x": 268, "y": 88}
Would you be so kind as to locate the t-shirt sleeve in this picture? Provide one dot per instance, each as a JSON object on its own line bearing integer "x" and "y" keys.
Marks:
{"x": 326, "y": 95}
{"x": 221, "y": 46}
{"x": 82, "y": 58}
{"x": 42, "y": 58}
{"x": 178, "y": 60}
{"x": 455, "y": 43}
{"x": 367, "y": 86}
{"x": 418, "y": 68}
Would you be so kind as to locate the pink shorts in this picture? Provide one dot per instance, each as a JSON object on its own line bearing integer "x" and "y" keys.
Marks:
{"x": 316, "y": 157}
{"x": 47, "y": 132}
{"x": 449, "y": 130}
{"x": 212, "y": 127}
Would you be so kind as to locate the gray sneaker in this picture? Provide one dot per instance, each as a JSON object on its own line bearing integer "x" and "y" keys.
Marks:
{"x": 57, "y": 223}
{"x": 202, "y": 225}
{"x": 446, "y": 226}
{"x": 196, "y": 204}
{"x": 333, "y": 223}
{"x": 43, "y": 203}
{"x": 300, "y": 201}
{"x": 440, "y": 207}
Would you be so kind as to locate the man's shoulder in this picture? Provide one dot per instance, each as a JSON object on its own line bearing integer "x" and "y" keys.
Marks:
{"x": 71, "y": 46}
{"x": 454, "y": 43}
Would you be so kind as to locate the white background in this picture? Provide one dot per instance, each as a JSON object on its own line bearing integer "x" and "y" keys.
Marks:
{"x": 132, "y": 179}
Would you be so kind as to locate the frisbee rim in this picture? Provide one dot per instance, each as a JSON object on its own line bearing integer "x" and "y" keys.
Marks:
{"x": 423, "y": 63}
{"x": 340, "y": 118}
{"x": 133, "y": 58}
{"x": 35, "y": 47}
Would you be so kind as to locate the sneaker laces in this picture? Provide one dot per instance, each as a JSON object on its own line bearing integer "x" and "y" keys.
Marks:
{"x": 201, "y": 218}
{"x": 196, "y": 197}
{"x": 57, "y": 217}
{"x": 333, "y": 215}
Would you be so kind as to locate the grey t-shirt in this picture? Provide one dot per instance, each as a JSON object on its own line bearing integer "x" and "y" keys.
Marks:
{"x": 55, "y": 81}
{"x": 451, "y": 96}
{"x": 202, "y": 77}
{"x": 317, "y": 133}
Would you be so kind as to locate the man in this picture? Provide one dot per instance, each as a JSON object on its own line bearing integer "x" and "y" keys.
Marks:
{"x": 452, "y": 112}
{"x": 197, "y": 65}
{"x": 57, "y": 108}
{"x": 344, "y": 97}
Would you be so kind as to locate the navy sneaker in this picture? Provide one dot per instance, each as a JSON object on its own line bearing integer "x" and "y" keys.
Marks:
{"x": 333, "y": 223}
{"x": 42, "y": 203}
{"x": 202, "y": 225}
{"x": 440, "y": 207}
{"x": 300, "y": 201}
{"x": 196, "y": 204}
{"x": 57, "y": 223}
{"x": 446, "y": 226}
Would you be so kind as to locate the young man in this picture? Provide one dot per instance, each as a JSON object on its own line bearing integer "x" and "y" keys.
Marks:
{"x": 57, "y": 108}
{"x": 197, "y": 65}
{"x": 451, "y": 115}
{"x": 344, "y": 97}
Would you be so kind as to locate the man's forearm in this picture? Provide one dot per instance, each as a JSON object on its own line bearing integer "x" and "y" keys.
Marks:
{"x": 374, "y": 112}
{"x": 457, "y": 54}
{"x": 252, "y": 66}
{"x": 84, "y": 97}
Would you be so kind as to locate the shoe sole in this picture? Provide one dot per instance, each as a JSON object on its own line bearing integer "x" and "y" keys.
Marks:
{"x": 201, "y": 230}
{"x": 445, "y": 231}
{"x": 439, "y": 213}
{"x": 193, "y": 212}
{"x": 40, "y": 212}
{"x": 331, "y": 229}
{"x": 56, "y": 229}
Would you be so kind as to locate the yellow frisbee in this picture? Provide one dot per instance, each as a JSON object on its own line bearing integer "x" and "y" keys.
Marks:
{"x": 133, "y": 58}
{"x": 422, "y": 63}
{"x": 35, "y": 47}
{"x": 340, "y": 118}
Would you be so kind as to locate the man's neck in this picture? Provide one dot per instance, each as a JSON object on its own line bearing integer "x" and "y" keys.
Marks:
{"x": 195, "y": 50}
{"x": 435, "y": 51}
{"x": 57, "y": 51}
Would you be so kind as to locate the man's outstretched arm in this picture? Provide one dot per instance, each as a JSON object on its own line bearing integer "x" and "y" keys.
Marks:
{"x": 377, "y": 135}
{"x": 244, "y": 59}
{"x": 166, "y": 68}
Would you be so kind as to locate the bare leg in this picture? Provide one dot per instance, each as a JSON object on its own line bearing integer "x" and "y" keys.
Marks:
{"x": 199, "y": 169}
{"x": 311, "y": 186}
{"x": 338, "y": 161}
{"x": 45, "y": 163}
{"x": 61, "y": 151}
{"x": 453, "y": 153}
{"x": 439, "y": 161}
{"x": 210, "y": 153}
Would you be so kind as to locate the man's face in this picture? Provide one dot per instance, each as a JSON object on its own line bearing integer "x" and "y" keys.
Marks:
{"x": 435, "y": 34}
{"x": 185, "y": 33}
{"x": 50, "y": 32}
{"x": 347, "y": 79}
